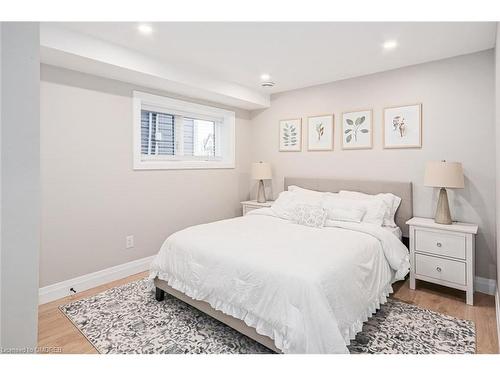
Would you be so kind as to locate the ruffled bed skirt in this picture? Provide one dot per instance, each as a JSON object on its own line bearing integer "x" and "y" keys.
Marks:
{"x": 350, "y": 333}
{"x": 261, "y": 326}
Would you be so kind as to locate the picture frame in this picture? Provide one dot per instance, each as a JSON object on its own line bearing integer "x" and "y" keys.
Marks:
{"x": 402, "y": 126}
{"x": 357, "y": 129}
{"x": 320, "y": 132}
{"x": 290, "y": 135}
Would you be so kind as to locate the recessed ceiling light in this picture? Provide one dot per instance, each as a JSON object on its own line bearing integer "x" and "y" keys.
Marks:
{"x": 390, "y": 44}
{"x": 265, "y": 77}
{"x": 145, "y": 29}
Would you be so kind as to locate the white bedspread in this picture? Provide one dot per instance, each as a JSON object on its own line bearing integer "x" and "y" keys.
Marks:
{"x": 309, "y": 289}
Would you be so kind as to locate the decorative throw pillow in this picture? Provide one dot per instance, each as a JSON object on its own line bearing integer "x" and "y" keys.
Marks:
{"x": 353, "y": 215}
{"x": 311, "y": 216}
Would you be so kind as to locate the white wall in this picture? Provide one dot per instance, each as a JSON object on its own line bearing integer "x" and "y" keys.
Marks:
{"x": 458, "y": 125}
{"x": 20, "y": 184}
{"x": 92, "y": 198}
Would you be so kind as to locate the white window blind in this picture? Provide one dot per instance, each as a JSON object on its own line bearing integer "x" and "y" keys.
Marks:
{"x": 173, "y": 134}
{"x": 157, "y": 133}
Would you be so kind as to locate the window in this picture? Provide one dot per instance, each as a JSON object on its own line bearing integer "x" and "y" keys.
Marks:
{"x": 199, "y": 138}
{"x": 174, "y": 134}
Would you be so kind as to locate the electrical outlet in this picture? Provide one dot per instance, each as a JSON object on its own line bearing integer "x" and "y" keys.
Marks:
{"x": 129, "y": 242}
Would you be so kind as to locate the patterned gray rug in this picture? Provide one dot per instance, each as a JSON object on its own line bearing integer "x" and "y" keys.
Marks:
{"x": 128, "y": 319}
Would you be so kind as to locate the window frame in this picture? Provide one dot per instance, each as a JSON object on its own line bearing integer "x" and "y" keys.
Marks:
{"x": 225, "y": 131}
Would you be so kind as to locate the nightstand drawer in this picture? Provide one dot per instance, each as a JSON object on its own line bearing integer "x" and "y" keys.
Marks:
{"x": 447, "y": 244}
{"x": 442, "y": 269}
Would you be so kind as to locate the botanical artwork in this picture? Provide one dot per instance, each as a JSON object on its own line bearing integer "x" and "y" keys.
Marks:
{"x": 357, "y": 130}
{"x": 320, "y": 129}
{"x": 399, "y": 126}
{"x": 320, "y": 133}
{"x": 403, "y": 126}
{"x": 290, "y": 134}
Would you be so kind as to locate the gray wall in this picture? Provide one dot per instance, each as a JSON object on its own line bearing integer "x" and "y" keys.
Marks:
{"x": 20, "y": 184}
{"x": 497, "y": 137}
{"x": 0, "y": 184}
{"x": 458, "y": 125}
{"x": 91, "y": 197}
{"x": 497, "y": 121}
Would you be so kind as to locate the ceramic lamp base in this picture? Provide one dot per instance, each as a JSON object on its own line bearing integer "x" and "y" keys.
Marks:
{"x": 443, "y": 215}
{"x": 261, "y": 194}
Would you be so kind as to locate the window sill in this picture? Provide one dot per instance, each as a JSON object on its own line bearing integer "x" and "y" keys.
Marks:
{"x": 189, "y": 164}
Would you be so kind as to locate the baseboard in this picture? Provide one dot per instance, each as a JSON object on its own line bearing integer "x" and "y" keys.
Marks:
{"x": 497, "y": 304}
{"x": 59, "y": 290}
{"x": 483, "y": 285}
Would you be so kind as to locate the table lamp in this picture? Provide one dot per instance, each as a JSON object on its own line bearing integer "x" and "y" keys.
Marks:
{"x": 261, "y": 171}
{"x": 444, "y": 174}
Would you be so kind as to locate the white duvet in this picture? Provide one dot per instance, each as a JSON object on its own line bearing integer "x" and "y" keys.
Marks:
{"x": 309, "y": 289}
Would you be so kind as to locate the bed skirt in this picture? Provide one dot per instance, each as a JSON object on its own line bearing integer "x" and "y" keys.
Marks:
{"x": 234, "y": 323}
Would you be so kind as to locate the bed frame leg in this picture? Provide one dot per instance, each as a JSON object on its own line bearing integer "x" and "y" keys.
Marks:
{"x": 160, "y": 294}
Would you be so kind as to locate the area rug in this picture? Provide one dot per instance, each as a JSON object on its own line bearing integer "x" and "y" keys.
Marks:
{"x": 128, "y": 319}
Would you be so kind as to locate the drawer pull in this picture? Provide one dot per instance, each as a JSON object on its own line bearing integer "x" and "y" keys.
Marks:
{"x": 439, "y": 244}
{"x": 438, "y": 269}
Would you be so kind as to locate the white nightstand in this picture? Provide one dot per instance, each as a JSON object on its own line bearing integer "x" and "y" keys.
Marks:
{"x": 253, "y": 205}
{"x": 443, "y": 254}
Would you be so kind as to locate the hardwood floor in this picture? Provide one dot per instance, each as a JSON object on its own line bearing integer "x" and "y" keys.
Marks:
{"x": 56, "y": 331}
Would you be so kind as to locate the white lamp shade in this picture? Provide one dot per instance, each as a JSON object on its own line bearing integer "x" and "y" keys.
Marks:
{"x": 261, "y": 171}
{"x": 444, "y": 174}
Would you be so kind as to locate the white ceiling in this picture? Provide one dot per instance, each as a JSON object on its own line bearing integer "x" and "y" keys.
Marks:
{"x": 294, "y": 54}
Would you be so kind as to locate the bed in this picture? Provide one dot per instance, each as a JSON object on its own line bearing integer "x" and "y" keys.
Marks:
{"x": 292, "y": 288}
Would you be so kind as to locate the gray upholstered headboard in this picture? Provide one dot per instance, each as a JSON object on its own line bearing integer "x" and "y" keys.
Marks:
{"x": 401, "y": 189}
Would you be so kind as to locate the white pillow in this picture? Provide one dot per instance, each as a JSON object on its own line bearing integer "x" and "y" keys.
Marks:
{"x": 395, "y": 205}
{"x": 375, "y": 209}
{"x": 354, "y": 215}
{"x": 306, "y": 192}
{"x": 311, "y": 216}
{"x": 288, "y": 200}
{"x": 283, "y": 206}
{"x": 343, "y": 211}
{"x": 305, "y": 196}
{"x": 298, "y": 189}
{"x": 391, "y": 202}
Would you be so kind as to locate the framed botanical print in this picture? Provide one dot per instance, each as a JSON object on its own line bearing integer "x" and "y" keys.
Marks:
{"x": 402, "y": 126}
{"x": 357, "y": 130}
{"x": 290, "y": 135}
{"x": 320, "y": 133}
